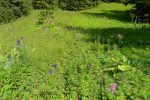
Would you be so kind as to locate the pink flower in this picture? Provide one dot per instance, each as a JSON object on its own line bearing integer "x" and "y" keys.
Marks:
{"x": 112, "y": 88}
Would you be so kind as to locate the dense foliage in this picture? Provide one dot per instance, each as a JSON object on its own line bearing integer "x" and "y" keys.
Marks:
{"x": 77, "y": 4}
{"x": 44, "y": 4}
{"x": 141, "y": 11}
{"x": 64, "y": 4}
{"x": 112, "y": 0}
{"x": 46, "y": 16}
{"x": 13, "y": 9}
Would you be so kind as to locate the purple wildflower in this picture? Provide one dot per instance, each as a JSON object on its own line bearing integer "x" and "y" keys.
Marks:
{"x": 55, "y": 65}
{"x": 18, "y": 42}
{"x": 112, "y": 88}
{"x": 51, "y": 72}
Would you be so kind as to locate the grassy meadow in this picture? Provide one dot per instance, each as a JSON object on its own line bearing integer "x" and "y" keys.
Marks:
{"x": 76, "y": 56}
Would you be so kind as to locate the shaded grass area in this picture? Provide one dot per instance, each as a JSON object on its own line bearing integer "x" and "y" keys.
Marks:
{"x": 124, "y": 37}
{"x": 122, "y": 16}
{"x": 133, "y": 42}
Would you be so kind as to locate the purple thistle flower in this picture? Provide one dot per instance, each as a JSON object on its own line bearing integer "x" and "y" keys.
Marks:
{"x": 18, "y": 42}
{"x": 55, "y": 65}
{"x": 51, "y": 72}
{"x": 112, "y": 88}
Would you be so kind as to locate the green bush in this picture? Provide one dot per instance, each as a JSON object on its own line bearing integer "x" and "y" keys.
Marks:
{"x": 6, "y": 15}
{"x": 64, "y": 4}
{"x": 45, "y": 16}
{"x": 44, "y": 4}
{"x": 141, "y": 12}
{"x": 77, "y": 4}
{"x": 13, "y": 9}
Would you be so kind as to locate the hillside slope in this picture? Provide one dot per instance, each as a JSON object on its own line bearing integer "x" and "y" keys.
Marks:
{"x": 79, "y": 55}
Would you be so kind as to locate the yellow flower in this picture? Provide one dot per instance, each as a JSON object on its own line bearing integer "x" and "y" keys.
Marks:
{"x": 123, "y": 67}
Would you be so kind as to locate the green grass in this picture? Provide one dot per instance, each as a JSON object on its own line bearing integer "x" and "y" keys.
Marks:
{"x": 87, "y": 46}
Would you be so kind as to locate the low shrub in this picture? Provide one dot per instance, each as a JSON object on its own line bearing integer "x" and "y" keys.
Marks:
{"x": 44, "y": 4}
{"x": 6, "y": 15}
{"x": 45, "y": 16}
{"x": 10, "y": 10}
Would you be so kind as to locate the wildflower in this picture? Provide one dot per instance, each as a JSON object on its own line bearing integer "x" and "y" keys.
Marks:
{"x": 18, "y": 42}
{"x": 55, "y": 65}
{"x": 51, "y": 72}
{"x": 112, "y": 88}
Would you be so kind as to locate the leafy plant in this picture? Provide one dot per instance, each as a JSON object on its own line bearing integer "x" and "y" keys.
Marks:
{"x": 16, "y": 55}
{"x": 46, "y": 16}
{"x": 45, "y": 4}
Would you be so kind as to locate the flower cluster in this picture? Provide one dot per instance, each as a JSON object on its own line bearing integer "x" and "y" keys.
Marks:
{"x": 51, "y": 71}
{"x": 112, "y": 88}
{"x": 18, "y": 42}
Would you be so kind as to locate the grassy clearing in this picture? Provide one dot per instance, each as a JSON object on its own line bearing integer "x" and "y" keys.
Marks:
{"x": 76, "y": 56}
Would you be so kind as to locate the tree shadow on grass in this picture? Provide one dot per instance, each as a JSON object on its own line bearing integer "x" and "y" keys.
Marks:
{"x": 124, "y": 39}
{"x": 127, "y": 37}
{"x": 113, "y": 14}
